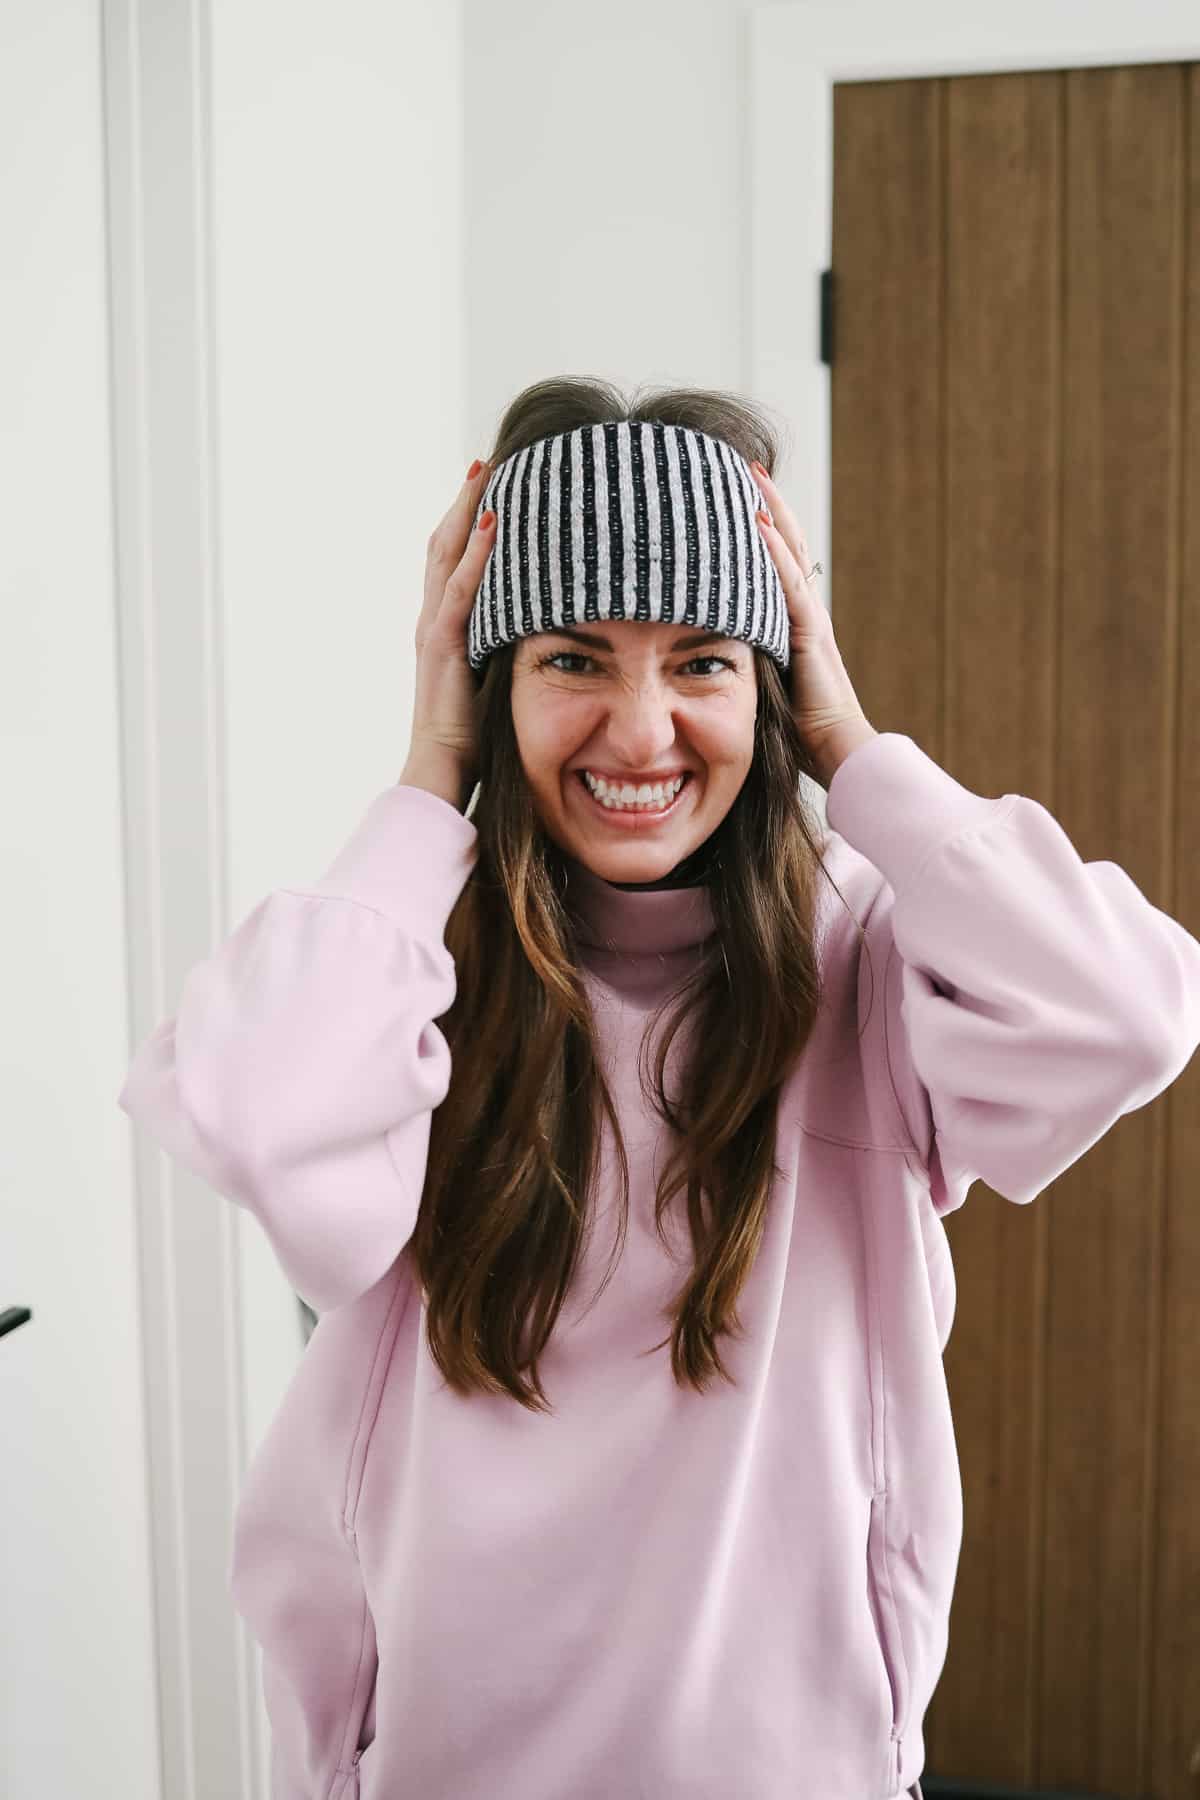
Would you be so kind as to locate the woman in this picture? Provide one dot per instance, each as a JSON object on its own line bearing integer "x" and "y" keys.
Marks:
{"x": 496, "y": 1542}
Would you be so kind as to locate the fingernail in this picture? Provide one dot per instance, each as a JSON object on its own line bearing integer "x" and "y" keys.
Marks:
{"x": 474, "y": 469}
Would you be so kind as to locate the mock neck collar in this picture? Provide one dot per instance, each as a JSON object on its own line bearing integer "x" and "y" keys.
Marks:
{"x": 650, "y": 919}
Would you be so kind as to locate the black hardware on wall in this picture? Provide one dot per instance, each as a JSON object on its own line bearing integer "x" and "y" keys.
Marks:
{"x": 827, "y": 316}
{"x": 12, "y": 1316}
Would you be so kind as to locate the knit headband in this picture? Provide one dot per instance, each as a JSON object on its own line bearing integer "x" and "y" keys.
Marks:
{"x": 627, "y": 520}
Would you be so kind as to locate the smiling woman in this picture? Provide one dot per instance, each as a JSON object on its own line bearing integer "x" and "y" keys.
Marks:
{"x": 621, "y": 699}
{"x": 642, "y": 710}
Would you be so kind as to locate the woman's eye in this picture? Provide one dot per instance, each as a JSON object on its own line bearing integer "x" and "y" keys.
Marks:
{"x": 578, "y": 656}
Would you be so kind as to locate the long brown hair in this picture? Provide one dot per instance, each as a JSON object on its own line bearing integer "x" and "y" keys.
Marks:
{"x": 514, "y": 1146}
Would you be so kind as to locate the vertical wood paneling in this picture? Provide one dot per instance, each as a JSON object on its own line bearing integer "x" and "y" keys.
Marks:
{"x": 1121, "y": 351}
{"x": 1173, "y": 1753}
{"x": 1011, "y": 472}
{"x": 1000, "y": 368}
{"x": 886, "y": 393}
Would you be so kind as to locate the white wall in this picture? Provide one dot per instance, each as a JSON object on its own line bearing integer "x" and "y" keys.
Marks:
{"x": 77, "y": 1676}
{"x": 336, "y": 202}
{"x": 604, "y": 226}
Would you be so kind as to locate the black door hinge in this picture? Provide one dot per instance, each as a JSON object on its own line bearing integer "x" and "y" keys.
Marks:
{"x": 827, "y": 316}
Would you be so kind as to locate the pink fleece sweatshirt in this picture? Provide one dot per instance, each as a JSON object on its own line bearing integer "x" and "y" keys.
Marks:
{"x": 649, "y": 1594}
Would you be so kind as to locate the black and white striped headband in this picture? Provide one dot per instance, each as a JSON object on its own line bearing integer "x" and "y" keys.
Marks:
{"x": 627, "y": 520}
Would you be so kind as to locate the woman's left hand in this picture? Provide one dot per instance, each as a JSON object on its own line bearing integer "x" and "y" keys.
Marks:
{"x": 825, "y": 706}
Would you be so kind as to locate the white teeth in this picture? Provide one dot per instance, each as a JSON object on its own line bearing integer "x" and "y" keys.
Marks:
{"x": 658, "y": 795}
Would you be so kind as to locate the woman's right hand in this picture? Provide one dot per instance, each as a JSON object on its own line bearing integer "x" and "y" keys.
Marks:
{"x": 444, "y": 723}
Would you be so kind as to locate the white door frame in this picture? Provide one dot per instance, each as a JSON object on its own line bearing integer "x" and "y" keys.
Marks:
{"x": 158, "y": 161}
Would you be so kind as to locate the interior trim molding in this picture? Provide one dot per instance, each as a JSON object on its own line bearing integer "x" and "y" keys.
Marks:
{"x": 157, "y": 150}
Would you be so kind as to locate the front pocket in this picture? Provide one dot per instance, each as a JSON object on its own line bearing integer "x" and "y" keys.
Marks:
{"x": 883, "y": 1608}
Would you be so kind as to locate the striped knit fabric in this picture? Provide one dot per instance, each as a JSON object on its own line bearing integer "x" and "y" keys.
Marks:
{"x": 627, "y": 520}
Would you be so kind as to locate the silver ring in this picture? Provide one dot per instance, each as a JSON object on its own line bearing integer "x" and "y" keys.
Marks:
{"x": 816, "y": 570}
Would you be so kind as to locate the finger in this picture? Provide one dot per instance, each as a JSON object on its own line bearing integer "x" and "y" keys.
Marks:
{"x": 463, "y": 584}
{"x": 791, "y": 574}
{"x": 450, "y": 538}
{"x": 454, "y": 522}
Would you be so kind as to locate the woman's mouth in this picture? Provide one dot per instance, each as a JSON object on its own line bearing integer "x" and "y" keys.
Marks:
{"x": 632, "y": 818}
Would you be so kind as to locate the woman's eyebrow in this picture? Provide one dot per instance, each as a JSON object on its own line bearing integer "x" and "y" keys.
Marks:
{"x": 602, "y": 643}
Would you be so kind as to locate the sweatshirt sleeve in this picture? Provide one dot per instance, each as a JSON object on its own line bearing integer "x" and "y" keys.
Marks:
{"x": 294, "y": 1573}
{"x": 300, "y": 1072}
{"x": 1039, "y": 999}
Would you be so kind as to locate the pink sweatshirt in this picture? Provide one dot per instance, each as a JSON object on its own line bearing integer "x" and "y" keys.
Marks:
{"x": 649, "y": 1594}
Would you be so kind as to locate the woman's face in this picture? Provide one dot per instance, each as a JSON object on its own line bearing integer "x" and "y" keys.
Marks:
{"x": 654, "y": 700}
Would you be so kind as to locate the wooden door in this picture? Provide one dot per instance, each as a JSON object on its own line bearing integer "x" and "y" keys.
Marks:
{"x": 1015, "y": 370}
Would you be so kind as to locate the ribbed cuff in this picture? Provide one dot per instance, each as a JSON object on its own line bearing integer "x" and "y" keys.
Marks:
{"x": 409, "y": 858}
